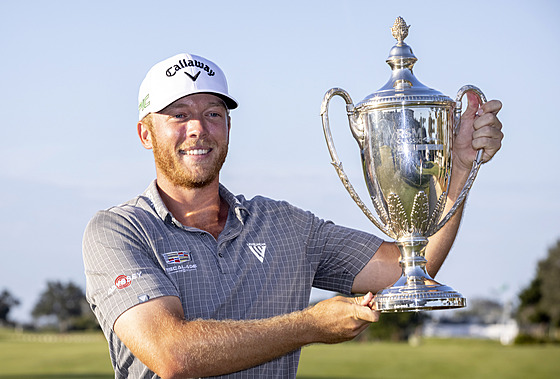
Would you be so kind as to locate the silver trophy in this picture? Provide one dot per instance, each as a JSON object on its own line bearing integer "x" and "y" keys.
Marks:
{"x": 405, "y": 132}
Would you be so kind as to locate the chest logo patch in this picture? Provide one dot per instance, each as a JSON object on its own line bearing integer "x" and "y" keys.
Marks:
{"x": 177, "y": 257}
{"x": 258, "y": 250}
{"x": 179, "y": 261}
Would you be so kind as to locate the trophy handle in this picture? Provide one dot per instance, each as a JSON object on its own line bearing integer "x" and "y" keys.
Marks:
{"x": 359, "y": 135}
{"x": 478, "y": 160}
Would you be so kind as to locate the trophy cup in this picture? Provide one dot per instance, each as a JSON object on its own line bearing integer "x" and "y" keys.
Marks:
{"x": 405, "y": 133}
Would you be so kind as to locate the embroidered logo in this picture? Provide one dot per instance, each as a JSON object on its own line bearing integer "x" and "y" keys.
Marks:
{"x": 144, "y": 103}
{"x": 179, "y": 261}
{"x": 177, "y": 257}
{"x": 123, "y": 281}
{"x": 258, "y": 250}
{"x": 183, "y": 63}
{"x": 193, "y": 78}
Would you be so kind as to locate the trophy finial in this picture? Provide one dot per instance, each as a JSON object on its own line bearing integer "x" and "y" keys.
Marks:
{"x": 400, "y": 30}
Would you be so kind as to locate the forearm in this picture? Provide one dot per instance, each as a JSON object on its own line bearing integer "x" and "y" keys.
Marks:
{"x": 220, "y": 347}
{"x": 157, "y": 334}
{"x": 480, "y": 129}
{"x": 440, "y": 243}
{"x": 176, "y": 348}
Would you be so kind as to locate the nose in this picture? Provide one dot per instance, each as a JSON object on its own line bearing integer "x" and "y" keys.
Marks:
{"x": 196, "y": 128}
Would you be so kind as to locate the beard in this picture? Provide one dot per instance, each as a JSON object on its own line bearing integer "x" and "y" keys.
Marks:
{"x": 170, "y": 164}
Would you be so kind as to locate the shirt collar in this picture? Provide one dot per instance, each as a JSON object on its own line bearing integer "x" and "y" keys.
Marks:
{"x": 152, "y": 193}
{"x": 240, "y": 211}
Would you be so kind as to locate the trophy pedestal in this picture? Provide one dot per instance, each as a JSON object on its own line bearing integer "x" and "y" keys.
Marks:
{"x": 416, "y": 290}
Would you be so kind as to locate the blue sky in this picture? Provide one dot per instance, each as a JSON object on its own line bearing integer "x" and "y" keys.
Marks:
{"x": 70, "y": 72}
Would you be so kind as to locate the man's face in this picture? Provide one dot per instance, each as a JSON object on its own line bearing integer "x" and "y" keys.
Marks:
{"x": 190, "y": 140}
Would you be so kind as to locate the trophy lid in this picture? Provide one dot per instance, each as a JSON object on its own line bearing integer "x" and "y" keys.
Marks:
{"x": 403, "y": 87}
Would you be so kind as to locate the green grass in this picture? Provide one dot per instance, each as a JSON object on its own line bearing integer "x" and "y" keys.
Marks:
{"x": 50, "y": 356}
{"x": 446, "y": 358}
{"x": 85, "y": 356}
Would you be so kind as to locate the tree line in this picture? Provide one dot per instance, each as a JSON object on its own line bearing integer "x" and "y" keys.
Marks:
{"x": 539, "y": 303}
{"x": 63, "y": 306}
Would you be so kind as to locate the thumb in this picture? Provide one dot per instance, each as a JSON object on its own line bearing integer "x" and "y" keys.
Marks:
{"x": 367, "y": 311}
{"x": 366, "y": 300}
{"x": 473, "y": 105}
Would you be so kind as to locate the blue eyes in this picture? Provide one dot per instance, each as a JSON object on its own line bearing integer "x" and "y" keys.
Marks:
{"x": 210, "y": 114}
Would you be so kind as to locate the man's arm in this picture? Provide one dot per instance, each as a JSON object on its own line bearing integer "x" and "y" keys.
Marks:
{"x": 480, "y": 129}
{"x": 157, "y": 333}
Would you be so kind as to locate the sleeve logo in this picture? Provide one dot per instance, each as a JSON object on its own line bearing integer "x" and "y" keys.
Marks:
{"x": 123, "y": 281}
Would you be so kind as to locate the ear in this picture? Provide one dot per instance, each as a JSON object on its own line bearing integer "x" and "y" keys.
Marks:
{"x": 145, "y": 135}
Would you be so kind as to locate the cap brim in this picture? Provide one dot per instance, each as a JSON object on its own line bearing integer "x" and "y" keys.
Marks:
{"x": 229, "y": 101}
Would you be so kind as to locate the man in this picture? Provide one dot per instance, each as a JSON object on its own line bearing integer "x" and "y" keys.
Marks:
{"x": 188, "y": 280}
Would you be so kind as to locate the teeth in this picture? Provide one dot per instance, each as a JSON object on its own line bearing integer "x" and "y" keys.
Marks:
{"x": 196, "y": 152}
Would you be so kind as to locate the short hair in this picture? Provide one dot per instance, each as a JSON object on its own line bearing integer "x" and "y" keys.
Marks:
{"x": 148, "y": 121}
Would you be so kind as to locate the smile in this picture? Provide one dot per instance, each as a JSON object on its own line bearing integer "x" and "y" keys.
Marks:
{"x": 195, "y": 152}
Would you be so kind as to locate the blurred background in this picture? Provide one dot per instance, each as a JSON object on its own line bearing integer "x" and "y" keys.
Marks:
{"x": 70, "y": 72}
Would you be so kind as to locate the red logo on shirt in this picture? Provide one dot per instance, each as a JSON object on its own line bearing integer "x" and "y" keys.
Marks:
{"x": 123, "y": 281}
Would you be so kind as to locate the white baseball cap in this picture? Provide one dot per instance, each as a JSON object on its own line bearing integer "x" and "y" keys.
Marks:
{"x": 179, "y": 76}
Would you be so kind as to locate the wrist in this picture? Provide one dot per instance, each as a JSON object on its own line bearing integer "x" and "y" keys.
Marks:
{"x": 310, "y": 332}
{"x": 459, "y": 176}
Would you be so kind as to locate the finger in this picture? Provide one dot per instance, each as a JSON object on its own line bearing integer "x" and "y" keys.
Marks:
{"x": 365, "y": 300}
{"x": 486, "y": 143}
{"x": 489, "y": 131}
{"x": 366, "y": 314}
{"x": 492, "y": 106}
{"x": 490, "y": 145}
{"x": 492, "y": 131}
{"x": 487, "y": 119}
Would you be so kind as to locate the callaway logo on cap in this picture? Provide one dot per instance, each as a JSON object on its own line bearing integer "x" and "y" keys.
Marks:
{"x": 179, "y": 76}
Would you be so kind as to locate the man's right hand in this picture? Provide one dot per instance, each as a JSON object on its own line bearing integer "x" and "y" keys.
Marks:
{"x": 341, "y": 319}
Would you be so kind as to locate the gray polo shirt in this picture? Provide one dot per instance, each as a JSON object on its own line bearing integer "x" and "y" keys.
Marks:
{"x": 263, "y": 264}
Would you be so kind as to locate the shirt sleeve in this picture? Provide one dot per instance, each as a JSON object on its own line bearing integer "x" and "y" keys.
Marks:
{"x": 340, "y": 253}
{"x": 120, "y": 266}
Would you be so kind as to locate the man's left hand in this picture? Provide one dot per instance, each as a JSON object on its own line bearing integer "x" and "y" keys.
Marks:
{"x": 480, "y": 129}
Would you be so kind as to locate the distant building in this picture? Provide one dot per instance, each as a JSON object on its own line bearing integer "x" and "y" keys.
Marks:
{"x": 504, "y": 332}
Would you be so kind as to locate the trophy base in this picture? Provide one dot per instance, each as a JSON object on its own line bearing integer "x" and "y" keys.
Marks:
{"x": 416, "y": 290}
{"x": 418, "y": 298}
